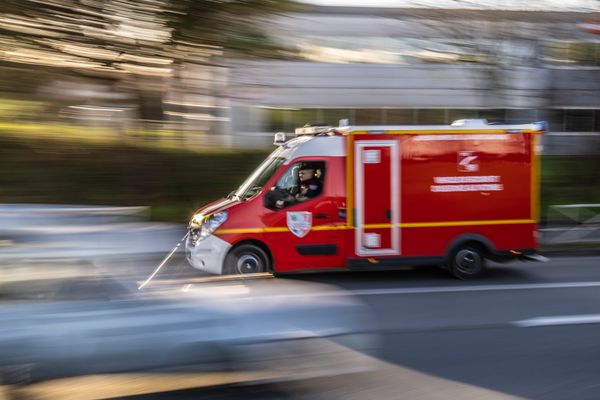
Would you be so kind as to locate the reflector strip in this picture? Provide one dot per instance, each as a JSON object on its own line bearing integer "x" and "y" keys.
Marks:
{"x": 382, "y": 226}
{"x": 252, "y": 230}
{"x": 467, "y": 223}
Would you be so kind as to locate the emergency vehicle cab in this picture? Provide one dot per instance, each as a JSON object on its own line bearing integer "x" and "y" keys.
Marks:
{"x": 387, "y": 196}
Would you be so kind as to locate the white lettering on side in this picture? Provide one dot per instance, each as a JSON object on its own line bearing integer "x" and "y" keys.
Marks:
{"x": 429, "y": 138}
{"x": 466, "y": 179}
{"x": 478, "y": 183}
{"x": 468, "y": 188}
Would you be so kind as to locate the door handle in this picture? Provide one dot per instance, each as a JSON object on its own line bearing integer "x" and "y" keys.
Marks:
{"x": 388, "y": 214}
{"x": 321, "y": 216}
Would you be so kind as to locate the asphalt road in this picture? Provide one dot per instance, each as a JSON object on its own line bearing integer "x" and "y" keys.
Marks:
{"x": 526, "y": 330}
{"x": 443, "y": 338}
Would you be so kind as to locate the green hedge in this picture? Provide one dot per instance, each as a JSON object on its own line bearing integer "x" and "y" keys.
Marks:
{"x": 569, "y": 180}
{"x": 177, "y": 181}
{"x": 173, "y": 182}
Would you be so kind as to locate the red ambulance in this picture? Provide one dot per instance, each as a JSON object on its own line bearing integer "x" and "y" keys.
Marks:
{"x": 379, "y": 196}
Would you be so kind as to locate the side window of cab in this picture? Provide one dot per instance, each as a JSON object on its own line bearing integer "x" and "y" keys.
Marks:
{"x": 302, "y": 181}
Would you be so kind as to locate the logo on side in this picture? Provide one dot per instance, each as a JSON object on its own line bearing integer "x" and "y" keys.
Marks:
{"x": 299, "y": 222}
{"x": 468, "y": 161}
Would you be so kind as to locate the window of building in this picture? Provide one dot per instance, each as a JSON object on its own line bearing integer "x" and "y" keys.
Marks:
{"x": 300, "y": 118}
{"x": 521, "y": 116}
{"x": 368, "y": 117}
{"x": 333, "y": 116}
{"x": 583, "y": 53}
{"x": 493, "y": 115}
{"x": 399, "y": 116}
{"x": 275, "y": 120}
{"x": 456, "y": 114}
{"x": 559, "y": 120}
{"x": 579, "y": 120}
{"x": 572, "y": 53}
{"x": 555, "y": 119}
{"x": 435, "y": 116}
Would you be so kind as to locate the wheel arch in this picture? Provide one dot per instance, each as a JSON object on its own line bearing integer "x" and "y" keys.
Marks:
{"x": 257, "y": 243}
{"x": 480, "y": 241}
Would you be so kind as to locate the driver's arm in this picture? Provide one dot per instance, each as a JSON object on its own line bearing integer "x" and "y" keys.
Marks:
{"x": 286, "y": 201}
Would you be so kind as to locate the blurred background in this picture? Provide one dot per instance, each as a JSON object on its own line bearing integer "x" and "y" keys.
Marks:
{"x": 119, "y": 118}
{"x": 169, "y": 104}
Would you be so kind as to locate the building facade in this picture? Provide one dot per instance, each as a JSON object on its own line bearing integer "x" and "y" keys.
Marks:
{"x": 411, "y": 66}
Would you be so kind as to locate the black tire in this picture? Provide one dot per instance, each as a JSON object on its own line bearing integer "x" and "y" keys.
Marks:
{"x": 467, "y": 262}
{"x": 246, "y": 259}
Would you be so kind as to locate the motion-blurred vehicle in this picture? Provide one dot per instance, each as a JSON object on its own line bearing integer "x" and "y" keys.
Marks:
{"x": 299, "y": 330}
{"x": 384, "y": 196}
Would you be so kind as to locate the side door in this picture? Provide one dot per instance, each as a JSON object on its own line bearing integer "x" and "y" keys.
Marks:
{"x": 306, "y": 234}
{"x": 377, "y": 197}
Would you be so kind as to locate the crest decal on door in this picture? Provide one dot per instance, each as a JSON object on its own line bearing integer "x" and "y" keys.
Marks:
{"x": 299, "y": 222}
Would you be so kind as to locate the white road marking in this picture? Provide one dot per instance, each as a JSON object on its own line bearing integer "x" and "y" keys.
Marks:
{"x": 392, "y": 291}
{"x": 477, "y": 288}
{"x": 558, "y": 320}
{"x": 434, "y": 289}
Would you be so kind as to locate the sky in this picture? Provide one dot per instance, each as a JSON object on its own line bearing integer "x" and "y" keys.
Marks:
{"x": 547, "y": 5}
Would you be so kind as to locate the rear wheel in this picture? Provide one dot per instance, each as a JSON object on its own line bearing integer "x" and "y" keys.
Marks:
{"x": 467, "y": 262}
{"x": 246, "y": 259}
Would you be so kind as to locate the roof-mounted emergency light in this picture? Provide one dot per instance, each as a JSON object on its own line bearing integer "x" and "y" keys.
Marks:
{"x": 279, "y": 139}
{"x": 312, "y": 130}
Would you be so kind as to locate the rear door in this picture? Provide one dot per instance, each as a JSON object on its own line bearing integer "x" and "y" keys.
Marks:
{"x": 377, "y": 197}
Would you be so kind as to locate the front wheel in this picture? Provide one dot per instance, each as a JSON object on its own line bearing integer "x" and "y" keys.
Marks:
{"x": 246, "y": 259}
{"x": 467, "y": 262}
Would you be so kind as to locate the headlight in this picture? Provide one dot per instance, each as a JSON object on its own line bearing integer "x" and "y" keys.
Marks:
{"x": 196, "y": 221}
{"x": 214, "y": 221}
{"x": 201, "y": 226}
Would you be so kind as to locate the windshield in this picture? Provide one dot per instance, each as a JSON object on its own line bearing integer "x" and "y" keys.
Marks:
{"x": 259, "y": 177}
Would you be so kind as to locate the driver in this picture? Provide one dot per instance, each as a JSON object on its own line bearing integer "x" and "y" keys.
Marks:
{"x": 309, "y": 186}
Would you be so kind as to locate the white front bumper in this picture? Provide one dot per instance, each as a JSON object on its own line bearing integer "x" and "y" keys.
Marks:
{"x": 208, "y": 254}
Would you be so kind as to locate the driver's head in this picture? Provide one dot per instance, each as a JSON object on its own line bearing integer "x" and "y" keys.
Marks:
{"x": 306, "y": 174}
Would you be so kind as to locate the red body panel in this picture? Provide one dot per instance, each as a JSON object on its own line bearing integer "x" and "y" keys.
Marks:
{"x": 434, "y": 242}
{"x": 422, "y": 161}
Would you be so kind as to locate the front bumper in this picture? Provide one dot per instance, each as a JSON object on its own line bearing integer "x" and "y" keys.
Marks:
{"x": 208, "y": 254}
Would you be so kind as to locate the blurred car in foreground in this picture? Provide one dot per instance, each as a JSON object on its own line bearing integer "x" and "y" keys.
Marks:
{"x": 297, "y": 329}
